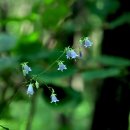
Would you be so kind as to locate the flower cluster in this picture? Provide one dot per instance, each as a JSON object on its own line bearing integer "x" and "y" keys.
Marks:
{"x": 30, "y": 89}
{"x": 70, "y": 54}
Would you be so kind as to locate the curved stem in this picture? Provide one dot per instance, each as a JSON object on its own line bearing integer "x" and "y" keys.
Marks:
{"x": 51, "y": 65}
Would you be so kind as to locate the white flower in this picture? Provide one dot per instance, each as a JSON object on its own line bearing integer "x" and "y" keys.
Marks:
{"x": 70, "y": 53}
{"x": 61, "y": 66}
{"x": 87, "y": 42}
{"x": 26, "y": 69}
{"x": 73, "y": 54}
{"x": 30, "y": 90}
{"x": 54, "y": 98}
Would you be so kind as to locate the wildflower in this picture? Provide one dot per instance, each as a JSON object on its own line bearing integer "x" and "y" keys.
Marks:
{"x": 54, "y": 98}
{"x": 73, "y": 54}
{"x": 26, "y": 69}
{"x": 61, "y": 66}
{"x": 37, "y": 84}
{"x": 87, "y": 42}
{"x": 30, "y": 90}
{"x": 70, "y": 53}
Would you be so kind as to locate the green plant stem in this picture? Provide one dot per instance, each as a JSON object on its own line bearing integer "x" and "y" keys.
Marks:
{"x": 50, "y": 65}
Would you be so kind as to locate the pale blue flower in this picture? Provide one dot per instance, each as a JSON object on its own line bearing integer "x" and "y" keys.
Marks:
{"x": 70, "y": 53}
{"x": 26, "y": 69}
{"x": 73, "y": 54}
{"x": 54, "y": 98}
{"x": 30, "y": 90}
{"x": 61, "y": 66}
{"x": 87, "y": 42}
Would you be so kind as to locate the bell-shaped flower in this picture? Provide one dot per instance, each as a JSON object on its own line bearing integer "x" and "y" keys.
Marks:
{"x": 30, "y": 90}
{"x": 73, "y": 54}
{"x": 61, "y": 66}
{"x": 26, "y": 69}
{"x": 70, "y": 53}
{"x": 54, "y": 98}
{"x": 87, "y": 42}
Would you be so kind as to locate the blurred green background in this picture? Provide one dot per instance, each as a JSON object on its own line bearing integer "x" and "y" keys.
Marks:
{"x": 37, "y": 32}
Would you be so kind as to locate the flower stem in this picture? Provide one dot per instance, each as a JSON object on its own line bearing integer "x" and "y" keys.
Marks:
{"x": 51, "y": 65}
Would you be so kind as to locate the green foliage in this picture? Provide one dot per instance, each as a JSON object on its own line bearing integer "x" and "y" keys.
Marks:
{"x": 7, "y": 42}
{"x": 52, "y": 15}
{"x": 113, "y": 61}
{"x": 101, "y": 73}
{"x": 124, "y": 18}
{"x": 8, "y": 62}
{"x": 114, "y": 66}
{"x": 36, "y": 31}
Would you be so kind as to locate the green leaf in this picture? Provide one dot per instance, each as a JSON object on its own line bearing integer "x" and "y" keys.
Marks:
{"x": 7, "y": 42}
{"x": 8, "y": 62}
{"x": 124, "y": 18}
{"x": 102, "y": 73}
{"x": 34, "y": 50}
{"x": 53, "y": 15}
{"x": 113, "y": 61}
